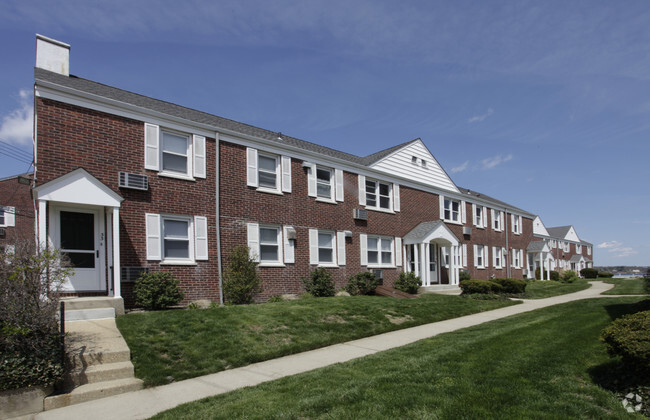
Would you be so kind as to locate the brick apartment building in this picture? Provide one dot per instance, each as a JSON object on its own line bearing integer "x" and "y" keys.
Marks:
{"x": 16, "y": 212}
{"x": 125, "y": 183}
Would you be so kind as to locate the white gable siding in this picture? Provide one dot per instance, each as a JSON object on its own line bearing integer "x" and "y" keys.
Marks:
{"x": 571, "y": 235}
{"x": 400, "y": 164}
{"x": 539, "y": 228}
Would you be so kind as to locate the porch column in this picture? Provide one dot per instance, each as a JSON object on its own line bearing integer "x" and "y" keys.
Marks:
{"x": 117, "y": 291}
{"x": 42, "y": 224}
{"x": 541, "y": 266}
{"x": 452, "y": 266}
{"x": 416, "y": 259}
{"x": 426, "y": 279}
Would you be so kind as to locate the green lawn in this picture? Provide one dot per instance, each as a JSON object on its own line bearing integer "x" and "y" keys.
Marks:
{"x": 181, "y": 344}
{"x": 538, "y": 289}
{"x": 542, "y": 364}
{"x": 634, "y": 286}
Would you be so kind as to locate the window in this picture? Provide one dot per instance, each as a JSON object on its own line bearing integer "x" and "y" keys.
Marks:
{"x": 326, "y": 248}
{"x": 380, "y": 251}
{"x": 479, "y": 216}
{"x": 324, "y": 183}
{"x": 269, "y": 244}
{"x": 588, "y": 250}
{"x": 497, "y": 256}
{"x": 378, "y": 194}
{"x": 268, "y": 172}
{"x": 176, "y": 239}
{"x": 326, "y": 245}
{"x": 497, "y": 220}
{"x": 173, "y": 153}
{"x": 414, "y": 160}
{"x": 516, "y": 224}
{"x": 516, "y": 258}
{"x": 7, "y": 216}
{"x": 578, "y": 249}
{"x": 452, "y": 210}
{"x": 480, "y": 256}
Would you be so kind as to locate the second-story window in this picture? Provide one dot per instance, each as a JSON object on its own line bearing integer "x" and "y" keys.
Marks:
{"x": 378, "y": 194}
{"x": 175, "y": 152}
{"x": 268, "y": 171}
{"x": 324, "y": 183}
{"x": 452, "y": 210}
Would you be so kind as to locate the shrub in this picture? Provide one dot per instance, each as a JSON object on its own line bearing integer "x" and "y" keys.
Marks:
{"x": 29, "y": 342}
{"x": 408, "y": 282}
{"x": 319, "y": 283}
{"x": 589, "y": 273}
{"x": 470, "y": 287}
{"x": 363, "y": 283}
{"x": 512, "y": 286}
{"x": 629, "y": 338}
{"x": 464, "y": 275}
{"x": 569, "y": 276}
{"x": 157, "y": 290}
{"x": 241, "y": 281}
{"x": 647, "y": 282}
{"x": 275, "y": 298}
{"x": 605, "y": 274}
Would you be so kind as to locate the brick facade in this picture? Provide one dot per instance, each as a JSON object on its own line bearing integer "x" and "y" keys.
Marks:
{"x": 17, "y": 195}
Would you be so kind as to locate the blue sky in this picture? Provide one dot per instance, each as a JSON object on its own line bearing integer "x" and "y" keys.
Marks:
{"x": 545, "y": 105}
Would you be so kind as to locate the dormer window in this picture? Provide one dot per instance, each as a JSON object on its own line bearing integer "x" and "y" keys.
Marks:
{"x": 414, "y": 160}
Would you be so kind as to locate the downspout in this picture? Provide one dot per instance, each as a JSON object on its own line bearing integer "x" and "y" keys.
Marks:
{"x": 507, "y": 256}
{"x": 218, "y": 222}
{"x": 34, "y": 136}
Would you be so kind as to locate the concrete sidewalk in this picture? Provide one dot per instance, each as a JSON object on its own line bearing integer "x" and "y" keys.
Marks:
{"x": 147, "y": 402}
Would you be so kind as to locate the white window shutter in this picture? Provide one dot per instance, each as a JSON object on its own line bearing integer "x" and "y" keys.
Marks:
{"x": 289, "y": 248}
{"x": 10, "y": 216}
{"x": 502, "y": 224}
{"x": 363, "y": 241}
{"x": 286, "y": 174}
{"x": 442, "y": 206}
{"x": 486, "y": 259}
{"x": 463, "y": 212}
{"x": 522, "y": 263}
{"x": 494, "y": 257}
{"x": 251, "y": 167}
{"x": 464, "y": 255}
{"x": 398, "y": 252}
{"x": 151, "y": 140}
{"x": 199, "y": 155}
{"x": 512, "y": 258}
{"x": 313, "y": 246}
{"x": 338, "y": 180}
{"x": 485, "y": 217}
{"x": 504, "y": 257}
{"x": 152, "y": 227}
{"x": 201, "y": 237}
{"x": 512, "y": 222}
{"x": 475, "y": 255}
{"x": 311, "y": 181}
{"x": 254, "y": 241}
{"x": 362, "y": 190}
{"x": 474, "y": 221}
{"x": 340, "y": 243}
{"x": 396, "y": 203}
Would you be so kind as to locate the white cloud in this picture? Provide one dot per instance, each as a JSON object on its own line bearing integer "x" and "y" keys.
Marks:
{"x": 17, "y": 126}
{"x": 479, "y": 118}
{"x": 460, "y": 168}
{"x": 610, "y": 244}
{"x": 492, "y": 162}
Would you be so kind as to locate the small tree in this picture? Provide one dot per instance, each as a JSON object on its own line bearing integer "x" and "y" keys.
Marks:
{"x": 319, "y": 283}
{"x": 157, "y": 290}
{"x": 29, "y": 299}
{"x": 241, "y": 281}
{"x": 408, "y": 282}
{"x": 363, "y": 283}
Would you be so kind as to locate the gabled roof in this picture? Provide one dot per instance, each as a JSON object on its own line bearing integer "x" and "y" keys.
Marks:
{"x": 585, "y": 243}
{"x": 491, "y": 200}
{"x": 538, "y": 246}
{"x": 559, "y": 232}
{"x": 428, "y": 231}
{"x": 376, "y": 157}
{"x": 577, "y": 258}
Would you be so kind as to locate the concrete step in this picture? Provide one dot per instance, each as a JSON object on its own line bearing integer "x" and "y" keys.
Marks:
{"x": 82, "y": 359}
{"x": 93, "y": 391}
{"x": 89, "y": 314}
{"x": 98, "y": 302}
{"x": 99, "y": 373}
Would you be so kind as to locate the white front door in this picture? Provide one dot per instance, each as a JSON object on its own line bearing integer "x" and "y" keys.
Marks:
{"x": 433, "y": 263}
{"x": 78, "y": 233}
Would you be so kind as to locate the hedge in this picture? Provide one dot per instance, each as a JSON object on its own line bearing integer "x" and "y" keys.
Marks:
{"x": 629, "y": 337}
{"x": 512, "y": 286}
{"x": 470, "y": 287}
{"x": 589, "y": 273}
{"x": 605, "y": 274}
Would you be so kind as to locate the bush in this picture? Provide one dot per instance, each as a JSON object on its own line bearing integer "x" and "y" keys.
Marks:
{"x": 470, "y": 287}
{"x": 569, "y": 276}
{"x": 512, "y": 286}
{"x": 274, "y": 299}
{"x": 464, "y": 275}
{"x": 319, "y": 283}
{"x": 408, "y": 282}
{"x": 363, "y": 283}
{"x": 157, "y": 290}
{"x": 552, "y": 275}
{"x": 647, "y": 282}
{"x": 629, "y": 338}
{"x": 589, "y": 273}
{"x": 605, "y": 274}
{"x": 241, "y": 281}
{"x": 29, "y": 341}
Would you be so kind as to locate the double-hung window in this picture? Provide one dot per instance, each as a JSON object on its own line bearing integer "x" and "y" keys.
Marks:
{"x": 173, "y": 153}
{"x": 478, "y": 216}
{"x": 497, "y": 220}
{"x": 175, "y": 239}
{"x": 270, "y": 244}
{"x": 268, "y": 172}
{"x": 324, "y": 178}
{"x": 380, "y": 251}
{"x": 497, "y": 256}
{"x": 325, "y": 184}
{"x": 378, "y": 194}
{"x": 516, "y": 224}
{"x": 480, "y": 256}
{"x": 326, "y": 248}
{"x": 578, "y": 249}
{"x": 452, "y": 210}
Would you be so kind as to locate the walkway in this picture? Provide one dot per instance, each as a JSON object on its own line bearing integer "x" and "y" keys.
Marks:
{"x": 147, "y": 402}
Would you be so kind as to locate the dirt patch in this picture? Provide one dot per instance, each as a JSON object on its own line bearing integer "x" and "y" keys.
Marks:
{"x": 397, "y": 320}
{"x": 334, "y": 319}
{"x": 255, "y": 328}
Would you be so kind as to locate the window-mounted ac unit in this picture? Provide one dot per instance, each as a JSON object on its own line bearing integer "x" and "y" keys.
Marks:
{"x": 361, "y": 214}
{"x": 379, "y": 275}
{"x": 134, "y": 181}
{"x": 131, "y": 274}
{"x": 467, "y": 230}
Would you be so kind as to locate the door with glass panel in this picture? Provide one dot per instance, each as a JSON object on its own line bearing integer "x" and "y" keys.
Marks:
{"x": 433, "y": 263}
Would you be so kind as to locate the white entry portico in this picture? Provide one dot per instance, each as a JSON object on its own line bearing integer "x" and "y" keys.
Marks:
{"x": 431, "y": 247}
{"x": 79, "y": 215}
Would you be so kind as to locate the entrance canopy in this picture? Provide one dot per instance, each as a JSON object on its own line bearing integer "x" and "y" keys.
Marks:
{"x": 427, "y": 232}
{"x": 78, "y": 187}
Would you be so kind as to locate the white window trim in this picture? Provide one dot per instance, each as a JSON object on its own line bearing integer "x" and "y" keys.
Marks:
{"x": 461, "y": 210}
{"x": 499, "y": 218}
{"x": 188, "y": 175}
{"x": 336, "y": 184}
{"x": 497, "y": 257}
{"x": 314, "y": 248}
{"x": 392, "y": 195}
{"x": 9, "y": 216}
{"x": 379, "y": 242}
{"x": 197, "y": 238}
{"x": 484, "y": 256}
{"x": 282, "y": 171}
{"x": 153, "y": 151}
{"x": 279, "y": 262}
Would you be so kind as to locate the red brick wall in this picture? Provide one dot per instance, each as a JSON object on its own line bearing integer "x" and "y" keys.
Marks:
{"x": 70, "y": 137}
{"x": 18, "y": 196}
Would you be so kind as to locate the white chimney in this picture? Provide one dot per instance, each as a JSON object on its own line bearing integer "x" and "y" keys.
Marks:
{"x": 52, "y": 55}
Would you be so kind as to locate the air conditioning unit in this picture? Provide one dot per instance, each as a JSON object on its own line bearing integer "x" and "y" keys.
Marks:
{"x": 467, "y": 230}
{"x": 524, "y": 271}
{"x": 291, "y": 232}
{"x": 131, "y": 274}
{"x": 379, "y": 275}
{"x": 361, "y": 214}
{"x": 134, "y": 181}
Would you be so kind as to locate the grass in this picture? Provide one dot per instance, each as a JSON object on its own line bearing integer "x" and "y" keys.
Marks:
{"x": 633, "y": 286}
{"x": 538, "y": 289}
{"x": 174, "y": 345}
{"x": 542, "y": 364}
